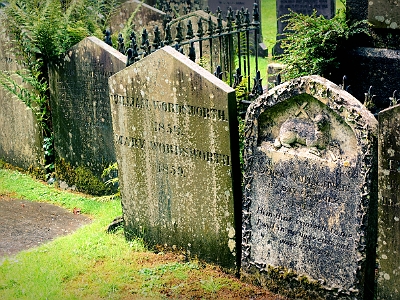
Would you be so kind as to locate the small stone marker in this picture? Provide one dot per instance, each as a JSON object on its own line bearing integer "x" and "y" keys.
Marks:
{"x": 388, "y": 255}
{"x": 21, "y": 140}
{"x": 384, "y": 13}
{"x": 173, "y": 125}
{"x": 309, "y": 167}
{"x": 80, "y": 104}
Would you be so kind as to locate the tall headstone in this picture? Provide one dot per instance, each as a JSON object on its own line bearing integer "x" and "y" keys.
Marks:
{"x": 21, "y": 140}
{"x": 175, "y": 132}
{"x": 306, "y": 7}
{"x": 80, "y": 105}
{"x": 388, "y": 253}
{"x": 309, "y": 217}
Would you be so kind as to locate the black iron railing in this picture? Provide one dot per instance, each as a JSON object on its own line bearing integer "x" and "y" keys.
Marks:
{"x": 231, "y": 41}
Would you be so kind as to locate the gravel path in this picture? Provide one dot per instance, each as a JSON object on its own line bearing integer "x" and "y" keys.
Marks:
{"x": 25, "y": 224}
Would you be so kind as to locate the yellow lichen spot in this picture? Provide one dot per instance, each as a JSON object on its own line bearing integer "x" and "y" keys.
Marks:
{"x": 346, "y": 163}
{"x": 231, "y": 245}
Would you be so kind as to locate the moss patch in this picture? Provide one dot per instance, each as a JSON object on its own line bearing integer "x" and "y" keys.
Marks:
{"x": 81, "y": 177}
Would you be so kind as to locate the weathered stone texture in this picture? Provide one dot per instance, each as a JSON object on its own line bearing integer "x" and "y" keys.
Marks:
{"x": 384, "y": 13}
{"x": 379, "y": 69}
{"x": 310, "y": 165}
{"x": 20, "y": 136}
{"x": 173, "y": 124}
{"x": 388, "y": 256}
{"x": 80, "y": 104}
{"x": 145, "y": 16}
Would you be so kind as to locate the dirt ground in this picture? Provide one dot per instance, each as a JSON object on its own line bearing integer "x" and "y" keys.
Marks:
{"x": 26, "y": 224}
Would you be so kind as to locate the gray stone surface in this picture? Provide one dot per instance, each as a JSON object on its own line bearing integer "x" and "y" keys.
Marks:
{"x": 20, "y": 136}
{"x": 173, "y": 124}
{"x": 145, "y": 17}
{"x": 310, "y": 168}
{"x": 388, "y": 254}
{"x": 357, "y": 9}
{"x": 374, "y": 67}
{"x": 384, "y": 13}
{"x": 80, "y": 104}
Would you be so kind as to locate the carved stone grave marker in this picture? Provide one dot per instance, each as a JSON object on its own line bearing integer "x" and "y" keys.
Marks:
{"x": 21, "y": 140}
{"x": 173, "y": 125}
{"x": 309, "y": 166}
{"x": 80, "y": 104}
{"x": 388, "y": 255}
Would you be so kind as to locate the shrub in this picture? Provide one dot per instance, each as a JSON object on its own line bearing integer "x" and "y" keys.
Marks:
{"x": 314, "y": 45}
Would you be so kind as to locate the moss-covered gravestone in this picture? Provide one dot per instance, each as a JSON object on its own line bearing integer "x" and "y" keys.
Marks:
{"x": 81, "y": 114}
{"x": 21, "y": 139}
{"x": 175, "y": 132}
{"x": 309, "y": 212}
{"x": 388, "y": 281}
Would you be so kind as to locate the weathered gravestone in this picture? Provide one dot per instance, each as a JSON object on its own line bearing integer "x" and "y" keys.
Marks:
{"x": 174, "y": 124}
{"x": 234, "y": 4}
{"x": 21, "y": 137}
{"x": 306, "y": 7}
{"x": 388, "y": 255}
{"x": 310, "y": 192}
{"x": 144, "y": 16}
{"x": 83, "y": 136}
{"x": 384, "y": 13}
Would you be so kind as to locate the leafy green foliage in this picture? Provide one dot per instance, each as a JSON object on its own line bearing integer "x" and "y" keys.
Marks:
{"x": 40, "y": 32}
{"x": 315, "y": 45}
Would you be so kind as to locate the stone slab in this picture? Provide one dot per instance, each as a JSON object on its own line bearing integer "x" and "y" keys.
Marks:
{"x": 80, "y": 104}
{"x": 388, "y": 254}
{"x": 174, "y": 124}
{"x": 21, "y": 138}
{"x": 384, "y": 13}
{"x": 380, "y": 70}
{"x": 310, "y": 165}
{"x": 146, "y": 16}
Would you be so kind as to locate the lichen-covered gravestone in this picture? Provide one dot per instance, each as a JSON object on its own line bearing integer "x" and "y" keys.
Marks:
{"x": 81, "y": 113}
{"x": 384, "y": 13}
{"x": 388, "y": 254}
{"x": 309, "y": 211}
{"x": 173, "y": 125}
{"x": 21, "y": 140}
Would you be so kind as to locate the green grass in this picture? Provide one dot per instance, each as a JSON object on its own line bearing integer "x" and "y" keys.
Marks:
{"x": 93, "y": 264}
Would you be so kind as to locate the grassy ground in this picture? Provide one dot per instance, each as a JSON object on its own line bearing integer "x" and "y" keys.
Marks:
{"x": 93, "y": 264}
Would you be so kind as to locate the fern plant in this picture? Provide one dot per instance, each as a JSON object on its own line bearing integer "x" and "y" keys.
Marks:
{"x": 40, "y": 32}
